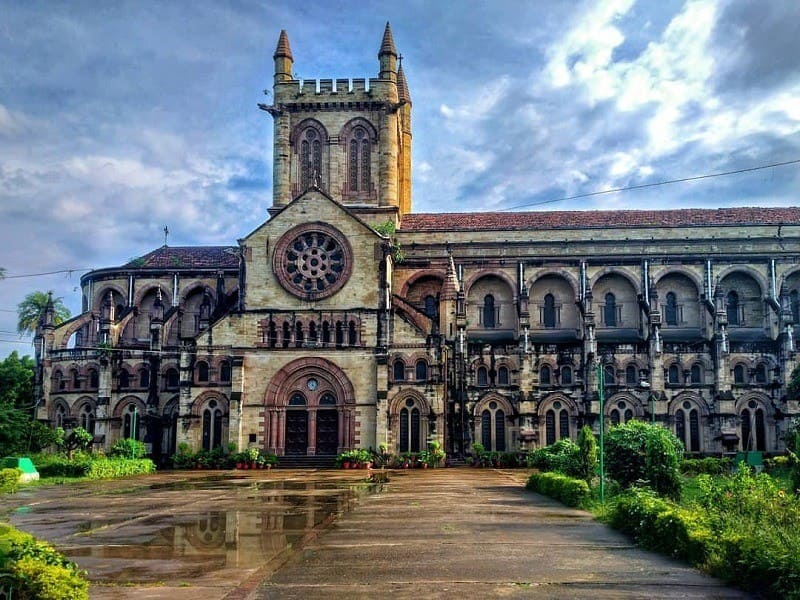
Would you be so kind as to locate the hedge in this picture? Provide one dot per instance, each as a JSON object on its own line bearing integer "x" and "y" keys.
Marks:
{"x": 96, "y": 468}
{"x": 9, "y": 480}
{"x": 661, "y": 525}
{"x": 37, "y": 571}
{"x": 572, "y": 492}
{"x": 708, "y": 466}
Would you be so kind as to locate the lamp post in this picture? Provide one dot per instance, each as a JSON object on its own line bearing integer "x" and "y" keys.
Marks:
{"x": 601, "y": 390}
{"x": 133, "y": 431}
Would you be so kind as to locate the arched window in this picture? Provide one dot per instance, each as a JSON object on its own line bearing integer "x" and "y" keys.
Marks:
{"x": 297, "y": 399}
{"x": 310, "y": 158}
{"x": 493, "y": 428}
{"x": 738, "y": 374}
{"x": 358, "y": 161}
{"x": 732, "y": 308}
{"x": 566, "y": 375}
{"x": 326, "y": 333}
{"x": 671, "y": 309}
{"x": 298, "y": 335}
{"x": 351, "y": 333}
{"x": 696, "y": 374}
{"x": 689, "y": 436}
{"x": 124, "y": 379}
{"x": 60, "y": 415}
{"x": 144, "y": 378}
{"x": 753, "y": 427}
{"x": 94, "y": 379}
{"x": 483, "y": 377}
{"x": 610, "y": 311}
{"x": 410, "y": 427}
{"x": 430, "y": 306}
{"x": 489, "y": 320}
{"x": 76, "y": 382}
{"x": 502, "y": 376}
{"x": 549, "y": 311}
{"x": 58, "y": 380}
{"x": 398, "y": 370}
{"x": 761, "y": 373}
{"x": 545, "y": 375}
{"x": 130, "y": 423}
{"x": 673, "y": 374}
{"x": 421, "y": 370}
{"x": 202, "y": 371}
{"x": 173, "y": 379}
{"x": 212, "y": 426}
{"x": 556, "y": 423}
{"x": 794, "y": 304}
{"x": 609, "y": 375}
{"x": 86, "y": 418}
{"x": 312, "y": 333}
{"x": 225, "y": 371}
{"x": 621, "y": 413}
{"x": 339, "y": 333}
{"x": 630, "y": 375}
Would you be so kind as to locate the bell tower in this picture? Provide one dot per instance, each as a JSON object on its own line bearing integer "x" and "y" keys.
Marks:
{"x": 350, "y": 138}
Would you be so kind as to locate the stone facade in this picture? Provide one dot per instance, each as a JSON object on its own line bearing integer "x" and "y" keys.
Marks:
{"x": 346, "y": 320}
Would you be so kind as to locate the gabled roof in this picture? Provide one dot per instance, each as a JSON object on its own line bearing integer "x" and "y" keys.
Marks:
{"x": 516, "y": 221}
{"x": 188, "y": 257}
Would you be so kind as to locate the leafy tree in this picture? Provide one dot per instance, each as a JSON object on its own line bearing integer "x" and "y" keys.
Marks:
{"x": 16, "y": 381}
{"x": 13, "y": 429}
{"x": 77, "y": 439}
{"x": 638, "y": 452}
{"x": 31, "y": 308}
{"x": 793, "y": 389}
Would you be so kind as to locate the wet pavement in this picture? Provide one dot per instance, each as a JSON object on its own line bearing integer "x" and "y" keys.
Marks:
{"x": 328, "y": 534}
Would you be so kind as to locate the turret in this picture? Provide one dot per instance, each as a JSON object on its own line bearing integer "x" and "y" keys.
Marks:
{"x": 387, "y": 56}
{"x": 284, "y": 61}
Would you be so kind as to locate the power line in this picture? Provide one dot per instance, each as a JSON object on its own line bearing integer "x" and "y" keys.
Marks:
{"x": 70, "y": 271}
{"x": 655, "y": 184}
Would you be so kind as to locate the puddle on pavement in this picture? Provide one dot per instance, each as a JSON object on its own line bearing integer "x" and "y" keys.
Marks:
{"x": 243, "y": 525}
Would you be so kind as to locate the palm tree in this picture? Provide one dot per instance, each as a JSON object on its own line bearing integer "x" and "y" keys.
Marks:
{"x": 30, "y": 310}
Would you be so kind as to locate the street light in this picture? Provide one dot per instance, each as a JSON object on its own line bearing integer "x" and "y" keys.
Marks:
{"x": 601, "y": 384}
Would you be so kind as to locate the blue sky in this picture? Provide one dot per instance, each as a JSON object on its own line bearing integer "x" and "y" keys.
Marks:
{"x": 119, "y": 118}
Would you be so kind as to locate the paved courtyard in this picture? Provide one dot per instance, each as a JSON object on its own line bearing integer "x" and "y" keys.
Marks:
{"x": 324, "y": 534}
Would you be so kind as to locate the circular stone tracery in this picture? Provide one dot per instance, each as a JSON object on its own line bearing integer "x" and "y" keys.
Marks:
{"x": 312, "y": 261}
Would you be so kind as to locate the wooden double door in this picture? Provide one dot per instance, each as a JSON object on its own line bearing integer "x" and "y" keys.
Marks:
{"x": 299, "y": 433}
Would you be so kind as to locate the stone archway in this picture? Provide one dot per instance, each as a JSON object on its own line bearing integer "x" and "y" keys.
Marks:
{"x": 309, "y": 409}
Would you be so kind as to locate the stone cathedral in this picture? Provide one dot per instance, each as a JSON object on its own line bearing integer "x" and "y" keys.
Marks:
{"x": 346, "y": 320}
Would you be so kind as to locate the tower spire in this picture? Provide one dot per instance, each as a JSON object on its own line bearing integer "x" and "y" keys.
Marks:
{"x": 402, "y": 87}
{"x": 387, "y": 56}
{"x": 284, "y": 61}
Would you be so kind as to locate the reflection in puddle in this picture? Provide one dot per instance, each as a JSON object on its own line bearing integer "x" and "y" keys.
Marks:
{"x": 224, "y": 524}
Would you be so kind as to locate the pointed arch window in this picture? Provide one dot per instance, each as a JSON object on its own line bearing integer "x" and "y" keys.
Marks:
{"x": 488, "y": 313}
{"x": 609, "y": 375}
{"x": 733, "y": 309}
{"x": 556, "y": 423}
{"x": 225, "y": 371}
{"x": 566, "y": 375}
{"x": 696, "y": 374}
{"x": 144, "y": 378}
{"x": 131, "y": 423}
{"x": 687, "y": 426}
{"x": 358, "y": 161}
{"x": 86, "y": 418}
{"x": 673, "y": 374}
{"x": 738, "y": 374}
{"x": 212, "y": 426}
{"x": 124, "y": 379}
{"x": 610, "y": 310}
{"x": 630, "y": 375}
{"x": 94, "y": 379}
{"x": 502, "y": 376}
{"x": 202, "y": 371}
{"x": 753, "y": 427}
{"x": 483, "y": 377}
{"x": 493, "y": 428}
{"x": 409, "y": 429}
{"x": 545, "y": 375}
{"x": 310, "y": 158}
{"x": 761, "y": 373}
{"x": 399, "y": 370}
{"x": 549, "y": 311}
{"x": 61, "y": 415}
{"x": 421, "y": 370}
{"x": 794, "y": 304}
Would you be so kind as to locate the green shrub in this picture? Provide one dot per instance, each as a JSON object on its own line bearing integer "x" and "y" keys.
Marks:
{"x": 708, "y": 465}
{"x": 660, "y": 525}
{"x": 94, "y": 467}
{"x": 127, "y": 448}
{"x": 572, "y": 492}
{"x": 639, "y": 452}
{"x": 9, "y": 480}
{"x": 37, "y": 570}
{"x": 564, "y": 456}
{"x": 587, "y": 453}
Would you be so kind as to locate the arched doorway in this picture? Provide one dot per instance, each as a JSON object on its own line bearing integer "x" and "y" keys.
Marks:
{"x": 310, "y": 409}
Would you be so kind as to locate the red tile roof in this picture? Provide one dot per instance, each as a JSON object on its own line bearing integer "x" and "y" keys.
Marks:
{"x": 511, "y": 221}
{"x": 188, "y": 257}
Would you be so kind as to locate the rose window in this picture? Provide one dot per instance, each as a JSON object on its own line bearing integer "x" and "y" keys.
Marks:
{"x": 312, "y": 261}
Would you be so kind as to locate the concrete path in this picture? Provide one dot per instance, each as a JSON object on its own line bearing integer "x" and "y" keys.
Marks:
{"x": 476, "y": 533}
